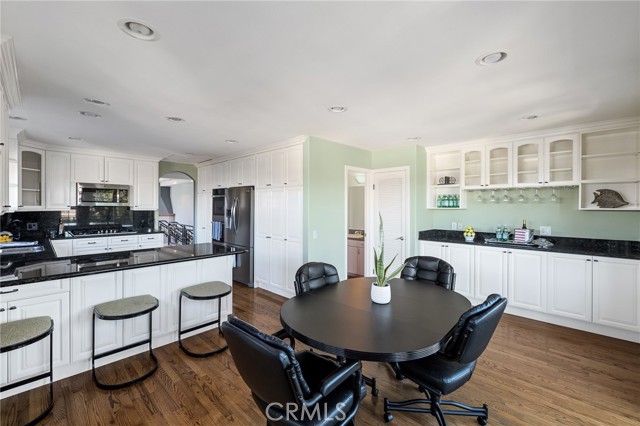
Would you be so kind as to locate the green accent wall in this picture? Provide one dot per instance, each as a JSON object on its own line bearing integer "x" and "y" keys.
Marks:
{"x": 564, "y": 217}
{"x": 324, "y": 199}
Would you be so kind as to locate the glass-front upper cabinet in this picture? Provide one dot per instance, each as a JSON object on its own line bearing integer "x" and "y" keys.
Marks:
{"x": 31, "y": 182}
{"x": 487, "y": 167}
{"x": 549, "y": 161}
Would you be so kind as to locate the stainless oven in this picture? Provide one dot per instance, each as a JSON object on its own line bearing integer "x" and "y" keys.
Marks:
{"x": 95, "y": 194}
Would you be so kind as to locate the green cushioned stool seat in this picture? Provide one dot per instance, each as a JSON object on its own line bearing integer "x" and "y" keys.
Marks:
{"x": 206, "y": 291}
{"x": 21, "y": 333}
{"x": 120, "y": 309}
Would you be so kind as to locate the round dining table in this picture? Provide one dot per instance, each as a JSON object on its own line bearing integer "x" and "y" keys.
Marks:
{"x": 342, "y": 320}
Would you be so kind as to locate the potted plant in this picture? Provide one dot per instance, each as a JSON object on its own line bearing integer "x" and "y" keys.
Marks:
{"x": 380, "y": 289}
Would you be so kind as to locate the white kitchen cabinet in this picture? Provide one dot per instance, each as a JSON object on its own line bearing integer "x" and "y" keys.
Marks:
{"x": 569, "y": 285}
{"x": 204, "y": 212}
{"x": 30, "y": 301}
{"x": 278, "y": 242}
{"x": 487, "y": 167}
{"x": 87, "y": 168}
{"x": 616, "y": 292}
{"x": 104, "y": 244}
{"x": 443, "y": 167}
{"x": 58, "y": 194}
{"x": 87, "y": 292}
{"x": 460, "y": 256}
{"x": 145, "y": 186}
{"x": 205, "y": 180}
{"x": 138, "y": 282}
{"x": 527, "y": 275}
{"x": 610, "y": 160}
{"x": 548, "y": 161}
{"x": 180, "y": 275}
{"x": 62, "y": 248}
{"x": 31, "y": 165}
{"x": 242, "y": 171}
{"x": 490, "y": 271}
{"x": 219, "y": 175}
{"x": 279, "y": 168}
{"x": 146, "y": 241}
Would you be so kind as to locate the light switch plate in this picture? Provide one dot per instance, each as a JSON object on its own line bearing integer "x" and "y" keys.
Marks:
{"x": 454, "y": 226}
{"x": 545, "y": 230}
{"x": 32, "y": 226}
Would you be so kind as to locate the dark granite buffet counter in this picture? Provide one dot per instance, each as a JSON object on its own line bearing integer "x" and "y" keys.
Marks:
{"x": 26, "y": 269}
{"x": 583, "y": 246}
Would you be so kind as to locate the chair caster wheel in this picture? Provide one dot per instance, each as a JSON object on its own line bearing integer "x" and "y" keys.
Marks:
{"x": 388, "y": 417}
{"x": 375, "y": 392}
{"x": 482, "y": 421}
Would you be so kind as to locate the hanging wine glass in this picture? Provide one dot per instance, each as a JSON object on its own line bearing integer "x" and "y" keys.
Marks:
{"x": 493, "y": 196}
{"x": 505, "y": 197}
{"x": 521, "y": 197}
{"x": 479, "y": 198}
{"x": 553, "y": 198}
{"x": 536, "y": 197}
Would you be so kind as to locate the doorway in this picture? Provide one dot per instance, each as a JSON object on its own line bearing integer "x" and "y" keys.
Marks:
{"x": 176, "y": 209}
{"x": 358, "y": 196}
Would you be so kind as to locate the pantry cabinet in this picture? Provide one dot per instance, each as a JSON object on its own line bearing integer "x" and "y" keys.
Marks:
{"x": 145, "y": 185}
{"x": 242, "y": 171}
{"x": 283, "y": 167}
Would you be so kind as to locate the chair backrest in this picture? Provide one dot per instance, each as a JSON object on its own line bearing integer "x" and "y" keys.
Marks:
{"x": 429, "y": 269}
{"x": 267, "y": 364}
{"x": 314, "y": 275}
{"x": 474, "y": 330}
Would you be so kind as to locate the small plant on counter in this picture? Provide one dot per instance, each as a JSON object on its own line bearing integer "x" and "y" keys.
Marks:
{"x": 382, "y": 278}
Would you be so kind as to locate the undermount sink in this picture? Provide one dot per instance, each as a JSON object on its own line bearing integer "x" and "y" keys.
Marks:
{"x": 21, "y": 250}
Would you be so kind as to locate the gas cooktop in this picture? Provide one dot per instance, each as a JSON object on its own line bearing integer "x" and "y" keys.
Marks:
{"x": 99, "y": 231}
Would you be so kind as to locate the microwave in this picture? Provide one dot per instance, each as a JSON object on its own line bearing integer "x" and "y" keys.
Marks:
{"x": 94, "y": 194}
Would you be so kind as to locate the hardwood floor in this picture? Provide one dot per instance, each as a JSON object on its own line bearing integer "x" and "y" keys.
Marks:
{"x": 531, "y": 374}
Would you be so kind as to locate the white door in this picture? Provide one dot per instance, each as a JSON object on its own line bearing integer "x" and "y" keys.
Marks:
{"x": 391, "y": 201}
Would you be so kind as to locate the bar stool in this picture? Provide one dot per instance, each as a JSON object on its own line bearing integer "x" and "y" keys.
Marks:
{"x": 206, "y": 291}
{"x": 129, "y": 307}
{"x": 21, "y": 333}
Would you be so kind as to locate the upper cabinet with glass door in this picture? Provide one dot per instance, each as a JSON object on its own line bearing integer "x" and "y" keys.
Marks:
{"x": 487, "y": 167}
{"x": 31, "y": 178}
{"x": 549, "y": 161}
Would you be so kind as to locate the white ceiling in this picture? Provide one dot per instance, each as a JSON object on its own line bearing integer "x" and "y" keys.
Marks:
{"x": 263, "y": 72}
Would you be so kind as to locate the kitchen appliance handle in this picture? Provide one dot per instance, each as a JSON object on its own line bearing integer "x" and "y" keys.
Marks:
{"x": 235, "y": 214}
{"x": 232, "y": 215}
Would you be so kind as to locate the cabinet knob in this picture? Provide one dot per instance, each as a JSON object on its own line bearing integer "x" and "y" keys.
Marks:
{"x": 11, "y": 308}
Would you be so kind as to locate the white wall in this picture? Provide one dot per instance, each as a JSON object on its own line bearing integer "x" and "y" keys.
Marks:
{"x": 182, "y": 199}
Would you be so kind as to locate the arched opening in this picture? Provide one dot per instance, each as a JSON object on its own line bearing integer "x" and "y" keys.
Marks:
{"x": 176, "y": 208}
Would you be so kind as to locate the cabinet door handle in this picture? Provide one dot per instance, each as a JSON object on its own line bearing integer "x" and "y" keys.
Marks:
{"x": 595, "y": 260}
{"x": 267, "y": 237}
{"x": 12, "y": 308}
{"x": 2, "y": 309}
{"x": 10, "y": 291}
{"x": 91, "y": 242}
{"x": 588, "y": 260}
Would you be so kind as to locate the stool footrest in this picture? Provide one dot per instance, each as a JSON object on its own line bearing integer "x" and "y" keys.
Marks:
{"x": 123, "y": 348}
{"x": 10, "y": 386}
{"x": 199, "y": 326}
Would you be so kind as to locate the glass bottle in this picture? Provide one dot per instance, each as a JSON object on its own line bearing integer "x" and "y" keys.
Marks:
{"x": 439, "y": 201}
{"x": 505, "y": 233}
{"x": 499, "y": 233}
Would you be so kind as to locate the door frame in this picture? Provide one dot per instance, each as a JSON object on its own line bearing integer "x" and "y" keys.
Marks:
{"x": 368, "y": 200}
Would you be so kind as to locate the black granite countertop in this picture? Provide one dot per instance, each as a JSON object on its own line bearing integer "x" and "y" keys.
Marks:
{"x": 31, "y": 268}
{"x": 584, "y": 246}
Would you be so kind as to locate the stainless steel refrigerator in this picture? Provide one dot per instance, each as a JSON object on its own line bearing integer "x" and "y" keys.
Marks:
{"x": 238, "y": 230}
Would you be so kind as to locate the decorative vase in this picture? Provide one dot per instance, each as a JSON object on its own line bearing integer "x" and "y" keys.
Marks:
{"x": 380, "y": 294}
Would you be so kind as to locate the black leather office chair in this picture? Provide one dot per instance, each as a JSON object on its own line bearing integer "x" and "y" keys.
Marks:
{"x": 444, "y": 372}
{"x": 294, "y": 388}
{"x": 314, "y": 275}
{"x": 430, "y": 270}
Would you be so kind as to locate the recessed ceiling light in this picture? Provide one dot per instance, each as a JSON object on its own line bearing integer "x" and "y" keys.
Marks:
{"x": 96, "y": 102}
{"x": 529, "y": 117}
{"x": 414, "y": 138}
{"x": 89, "y": 114}
{"x": 138, "y": 29}
{"x": 231, "y": 141}
{"x": 15, "y": 117}
{"x": 337, "y": 109}
{"x": 175, "y": 119}
{"x": 491, "y": 58}
{"x": 74, "y": 138}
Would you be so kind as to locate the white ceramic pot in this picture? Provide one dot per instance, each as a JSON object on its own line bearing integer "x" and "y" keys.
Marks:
{"x": 469, "y": 239}
{"x": 381, "y": 295}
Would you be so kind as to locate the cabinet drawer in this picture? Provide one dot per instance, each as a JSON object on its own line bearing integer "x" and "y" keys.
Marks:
{"x": 10, "y": 293}
{"x": 122, "y": 239}
{"x": 153, "y": 238}
{"x": 83, "y": 243}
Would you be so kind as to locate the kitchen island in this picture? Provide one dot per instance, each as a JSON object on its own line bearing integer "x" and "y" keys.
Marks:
{"x": 67, "y": 289}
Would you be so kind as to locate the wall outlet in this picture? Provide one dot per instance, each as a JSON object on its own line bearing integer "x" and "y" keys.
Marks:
{"x": 460, "y": 226}
{"x": 454, "y": 226}
{"x": 545, "y": 230}
{"x": 32, "y": 226}
{"x": 314, "y": 234}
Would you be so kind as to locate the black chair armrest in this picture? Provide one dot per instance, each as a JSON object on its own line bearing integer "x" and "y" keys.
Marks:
{"x": 331, "y": 382}
{"x": 282, "y": 334}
